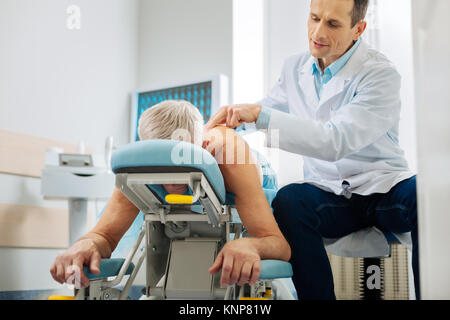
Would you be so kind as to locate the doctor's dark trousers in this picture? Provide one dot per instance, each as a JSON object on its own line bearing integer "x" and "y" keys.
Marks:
{"x": 306, "y": 213}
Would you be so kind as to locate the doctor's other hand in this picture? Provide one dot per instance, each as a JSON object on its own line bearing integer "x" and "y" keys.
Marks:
{"x": 239, "y": 261}
{"x": 235, "y": 115}
{"x": 68, "y": 266}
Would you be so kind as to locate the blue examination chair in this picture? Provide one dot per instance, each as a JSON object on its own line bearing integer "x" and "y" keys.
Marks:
{"x": 181, "y": 234}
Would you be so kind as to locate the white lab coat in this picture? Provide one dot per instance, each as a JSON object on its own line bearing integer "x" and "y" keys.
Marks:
{"x": 350, "y": 134}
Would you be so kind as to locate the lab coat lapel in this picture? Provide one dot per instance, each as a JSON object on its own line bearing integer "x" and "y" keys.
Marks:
{"x": 333, "y": 88}
{"x": 307, "y": 84}
{"x": 338, "y": 83}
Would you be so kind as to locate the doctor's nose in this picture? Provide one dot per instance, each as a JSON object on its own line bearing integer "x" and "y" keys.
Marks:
{"x": 319, "y": 32}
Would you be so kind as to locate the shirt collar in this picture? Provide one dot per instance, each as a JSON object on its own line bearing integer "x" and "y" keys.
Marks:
{"x": 336, "y": 66}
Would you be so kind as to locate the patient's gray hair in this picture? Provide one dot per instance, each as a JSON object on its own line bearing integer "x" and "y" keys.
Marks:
{"x": 173, "y": 120}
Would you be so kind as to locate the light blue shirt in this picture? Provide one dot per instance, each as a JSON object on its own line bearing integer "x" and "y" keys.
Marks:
{"x": 321, "y": 78}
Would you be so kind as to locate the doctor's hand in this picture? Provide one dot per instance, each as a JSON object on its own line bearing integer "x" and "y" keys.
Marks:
{"x": 239, "y": 261}
{"x": 68, "y": 266}
{"x": 235, "y": 115}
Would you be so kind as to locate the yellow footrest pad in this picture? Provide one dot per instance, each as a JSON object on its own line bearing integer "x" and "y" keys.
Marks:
{"x": 179, "y": 199}
{"x": 57, "y": 297}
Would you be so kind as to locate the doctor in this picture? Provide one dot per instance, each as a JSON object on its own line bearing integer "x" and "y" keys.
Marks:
{"x": 338, "y": 106}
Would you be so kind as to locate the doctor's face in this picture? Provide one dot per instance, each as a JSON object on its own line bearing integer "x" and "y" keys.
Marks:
{"x": 330, "y": 29}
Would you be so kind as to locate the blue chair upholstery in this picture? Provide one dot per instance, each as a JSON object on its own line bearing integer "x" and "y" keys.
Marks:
{"x": 156, "y": 156}
{"x": 270, "y": 269}
{"x": 275, "y": 269}
{"x": 108, "y": 268}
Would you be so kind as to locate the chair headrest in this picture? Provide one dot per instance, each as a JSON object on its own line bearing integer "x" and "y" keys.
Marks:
{"x": 168, "y": 156}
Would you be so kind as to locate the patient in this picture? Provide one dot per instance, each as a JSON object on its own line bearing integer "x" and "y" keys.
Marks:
{"x": 239, "y": 259}
{"x": 180, "y": 120}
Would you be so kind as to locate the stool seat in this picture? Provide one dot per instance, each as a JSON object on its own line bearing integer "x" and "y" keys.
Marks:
{"x": 108, "y": 268}
{"x": 275, "y": 269}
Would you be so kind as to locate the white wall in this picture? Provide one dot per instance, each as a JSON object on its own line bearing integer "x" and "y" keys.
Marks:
{"x": 59, "y": 83}
{"x": 396, "y": 42}
{"x": 65, "y": 85}
{"x": 248, "y": 50}
{"x": 184, "y": 40}
{"x": 432, "y": 70}
{"x": 285, "y": 34}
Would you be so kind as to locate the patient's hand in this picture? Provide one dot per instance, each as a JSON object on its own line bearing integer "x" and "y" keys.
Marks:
{"x": 175, "y": 188}
{"x": 240, "y": 263}
{"x": 68, "y": 266}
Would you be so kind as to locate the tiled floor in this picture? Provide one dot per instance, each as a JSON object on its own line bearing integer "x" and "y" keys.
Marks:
{"x": 22, "y": 295}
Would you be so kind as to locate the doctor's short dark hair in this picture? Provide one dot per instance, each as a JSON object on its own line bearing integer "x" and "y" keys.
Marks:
{"x": 359, "y": 11}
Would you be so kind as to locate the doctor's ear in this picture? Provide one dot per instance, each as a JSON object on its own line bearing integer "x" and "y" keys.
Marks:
{"x": 359, "y": 29}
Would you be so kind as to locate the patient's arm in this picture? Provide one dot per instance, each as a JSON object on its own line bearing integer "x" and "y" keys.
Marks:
{"x": 99, "y": 243}
{"x": 117, "y": 218}
{"x": 238, "y": 260}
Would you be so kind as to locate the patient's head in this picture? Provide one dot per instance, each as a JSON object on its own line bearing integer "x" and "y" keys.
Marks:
{"x": 173, "y": 120}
